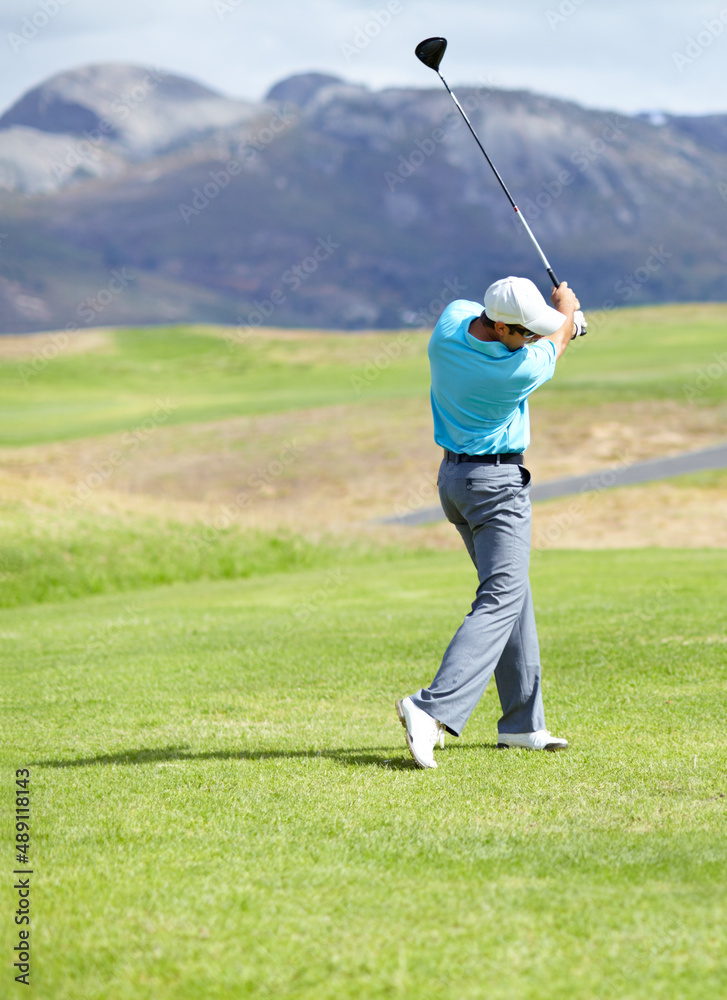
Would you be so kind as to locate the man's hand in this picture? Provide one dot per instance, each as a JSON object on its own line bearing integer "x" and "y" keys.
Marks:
{"x": 564, "y": 299}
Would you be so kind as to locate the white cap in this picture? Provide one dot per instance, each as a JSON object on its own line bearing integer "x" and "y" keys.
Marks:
{"x": 517, "y": 301}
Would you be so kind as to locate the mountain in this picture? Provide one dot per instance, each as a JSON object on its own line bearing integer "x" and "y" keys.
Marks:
{"x": 709, "y": 131}
{"x": 330, "y": 205}
{"x": 95, "y": 121}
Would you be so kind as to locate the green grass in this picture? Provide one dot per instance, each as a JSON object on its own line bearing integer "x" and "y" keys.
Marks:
{"x": 631, "y": 354}
{"x": 52, "y": 554}
{"x": 647, "y": 353}
{"x": 712, "y": 479}
{"x": 222, "y": 802}
{"x": 223, "y": 806}
{"x": 200, "y": 377}
{"x": 61, "y": 555}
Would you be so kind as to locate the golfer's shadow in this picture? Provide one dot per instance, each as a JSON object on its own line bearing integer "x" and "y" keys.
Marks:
{"x": 346, "y": 756}
{"x": 363, "y": 756}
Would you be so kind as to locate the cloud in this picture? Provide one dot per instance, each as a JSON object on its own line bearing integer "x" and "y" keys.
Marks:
{"x": 604, "y": 53}
{"x": 70, "y": 16}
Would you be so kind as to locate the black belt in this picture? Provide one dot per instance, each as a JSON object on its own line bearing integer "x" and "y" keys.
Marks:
{"x": 508, "y": 458}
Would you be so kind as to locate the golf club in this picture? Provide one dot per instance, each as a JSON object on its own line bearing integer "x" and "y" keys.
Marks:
{"x": 430, "y": 52}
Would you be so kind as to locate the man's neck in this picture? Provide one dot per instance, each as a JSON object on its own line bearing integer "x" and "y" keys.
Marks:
{"x": 479, "y": 331}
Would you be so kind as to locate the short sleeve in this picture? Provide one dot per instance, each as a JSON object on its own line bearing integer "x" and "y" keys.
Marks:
{"x": 536, "y": 366}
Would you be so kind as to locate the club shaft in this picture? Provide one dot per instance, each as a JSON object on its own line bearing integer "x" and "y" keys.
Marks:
{"x": 496, "y": 172}
{"x": 546, "y": 265}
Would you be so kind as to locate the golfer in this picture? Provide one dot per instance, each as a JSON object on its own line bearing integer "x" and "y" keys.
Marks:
{"x": 484, "y": 366}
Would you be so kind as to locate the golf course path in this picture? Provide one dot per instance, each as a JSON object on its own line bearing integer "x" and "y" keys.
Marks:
{"x": 620, "y": 475}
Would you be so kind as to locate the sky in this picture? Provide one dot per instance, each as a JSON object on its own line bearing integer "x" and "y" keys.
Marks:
{"x": 626, "y": 55}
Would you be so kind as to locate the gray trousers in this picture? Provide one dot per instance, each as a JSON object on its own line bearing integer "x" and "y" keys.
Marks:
{"x": 490, "y": 507}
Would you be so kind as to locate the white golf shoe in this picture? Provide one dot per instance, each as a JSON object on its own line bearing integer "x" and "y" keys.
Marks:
{"x": 422, "y": 732}
{"x": 402, "y": 720}
{"x": 540, "y": 740}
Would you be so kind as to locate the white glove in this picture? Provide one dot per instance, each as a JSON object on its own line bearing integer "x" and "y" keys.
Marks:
{"x": 580, "y": 327}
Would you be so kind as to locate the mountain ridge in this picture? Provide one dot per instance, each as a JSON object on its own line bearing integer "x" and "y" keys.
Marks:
{"x": 218, "y": 198}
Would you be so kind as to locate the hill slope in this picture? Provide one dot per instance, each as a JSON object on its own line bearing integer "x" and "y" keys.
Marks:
{"x": 329, "y": 205}
{"x": 318, "y": 433}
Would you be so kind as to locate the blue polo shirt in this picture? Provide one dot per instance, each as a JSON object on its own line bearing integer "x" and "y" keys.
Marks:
{"x": 480, "y": 389}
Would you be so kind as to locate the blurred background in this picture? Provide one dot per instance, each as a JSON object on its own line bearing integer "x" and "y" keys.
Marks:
{"x": 233, "y": 162}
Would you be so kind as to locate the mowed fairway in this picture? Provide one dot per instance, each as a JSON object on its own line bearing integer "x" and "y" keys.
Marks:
{"x": 222, "y": 803}
{"x": 53, "y": 393}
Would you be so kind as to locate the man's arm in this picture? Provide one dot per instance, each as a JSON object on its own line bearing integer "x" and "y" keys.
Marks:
{"x": 565, "y": 301}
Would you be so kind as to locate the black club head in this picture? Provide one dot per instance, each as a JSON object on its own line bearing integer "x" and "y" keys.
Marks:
{"x": 431, "y": 51}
